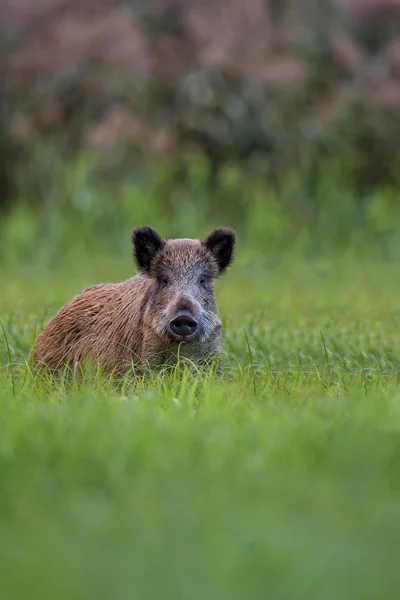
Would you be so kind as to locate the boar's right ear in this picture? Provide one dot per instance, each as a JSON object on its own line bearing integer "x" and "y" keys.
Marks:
{"x": 221, "y": 243}
{"x": 146, "y": 244}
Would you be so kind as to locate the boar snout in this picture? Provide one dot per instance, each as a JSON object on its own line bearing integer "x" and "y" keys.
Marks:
{"x": 184, "y": 324}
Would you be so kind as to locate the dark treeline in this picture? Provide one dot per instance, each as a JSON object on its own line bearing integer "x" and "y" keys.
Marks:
{"x": 274, "y": 85}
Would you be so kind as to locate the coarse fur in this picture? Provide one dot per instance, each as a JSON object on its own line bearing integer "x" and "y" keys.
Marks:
{"x": 123, "y": 324}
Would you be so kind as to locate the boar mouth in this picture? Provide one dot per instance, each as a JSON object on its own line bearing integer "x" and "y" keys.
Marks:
{"x": 176, "y": 339}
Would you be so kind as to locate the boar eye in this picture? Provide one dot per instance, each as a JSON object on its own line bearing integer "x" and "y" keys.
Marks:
{"x": 204, "y": 281}
{"x": 164, "y": 280}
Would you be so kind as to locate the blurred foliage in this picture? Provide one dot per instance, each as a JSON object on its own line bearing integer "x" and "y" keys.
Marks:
{"x": 81, "y": 214}
{"x": 280, "y": 89}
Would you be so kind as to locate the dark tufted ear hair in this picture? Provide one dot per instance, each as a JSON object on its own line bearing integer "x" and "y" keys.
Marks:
{"x": 146, "y": 244}
{"x": 221, "y": 243}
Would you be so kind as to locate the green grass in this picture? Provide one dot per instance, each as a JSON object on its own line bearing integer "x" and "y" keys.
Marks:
{"x": 278, "y": 480}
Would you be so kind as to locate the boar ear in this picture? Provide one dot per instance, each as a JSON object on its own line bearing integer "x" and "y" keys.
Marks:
{"x": 146, "y": 243}
{"x": 221, "y": 243}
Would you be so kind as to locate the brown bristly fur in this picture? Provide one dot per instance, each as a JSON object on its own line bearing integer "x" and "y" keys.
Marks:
{"x": 123, "y": 324}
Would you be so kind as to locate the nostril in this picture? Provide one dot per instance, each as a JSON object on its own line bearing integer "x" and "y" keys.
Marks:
{"x": 183, "y": 325}
{"x": 188, "y": 322}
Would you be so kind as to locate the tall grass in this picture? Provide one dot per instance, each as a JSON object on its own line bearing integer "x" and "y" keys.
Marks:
{"x": 73, "y": 212}
{"x": 277, "y": 479}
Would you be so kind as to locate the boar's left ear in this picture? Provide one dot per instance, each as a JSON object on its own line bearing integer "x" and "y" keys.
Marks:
{"x": 221, "y": 243}
{"x": 146, "y": 244}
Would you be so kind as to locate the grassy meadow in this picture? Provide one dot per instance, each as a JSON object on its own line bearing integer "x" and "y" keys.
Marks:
{"x": 279, "y": 479}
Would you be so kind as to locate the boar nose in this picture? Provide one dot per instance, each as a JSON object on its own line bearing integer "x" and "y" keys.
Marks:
{"x": 184, "y": 324}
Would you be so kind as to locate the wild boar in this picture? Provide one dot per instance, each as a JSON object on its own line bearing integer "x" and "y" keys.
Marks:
{"x": 167, "y": 310}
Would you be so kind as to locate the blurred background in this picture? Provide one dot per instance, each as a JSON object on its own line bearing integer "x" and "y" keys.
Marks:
{"x": 278, "y": 117}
